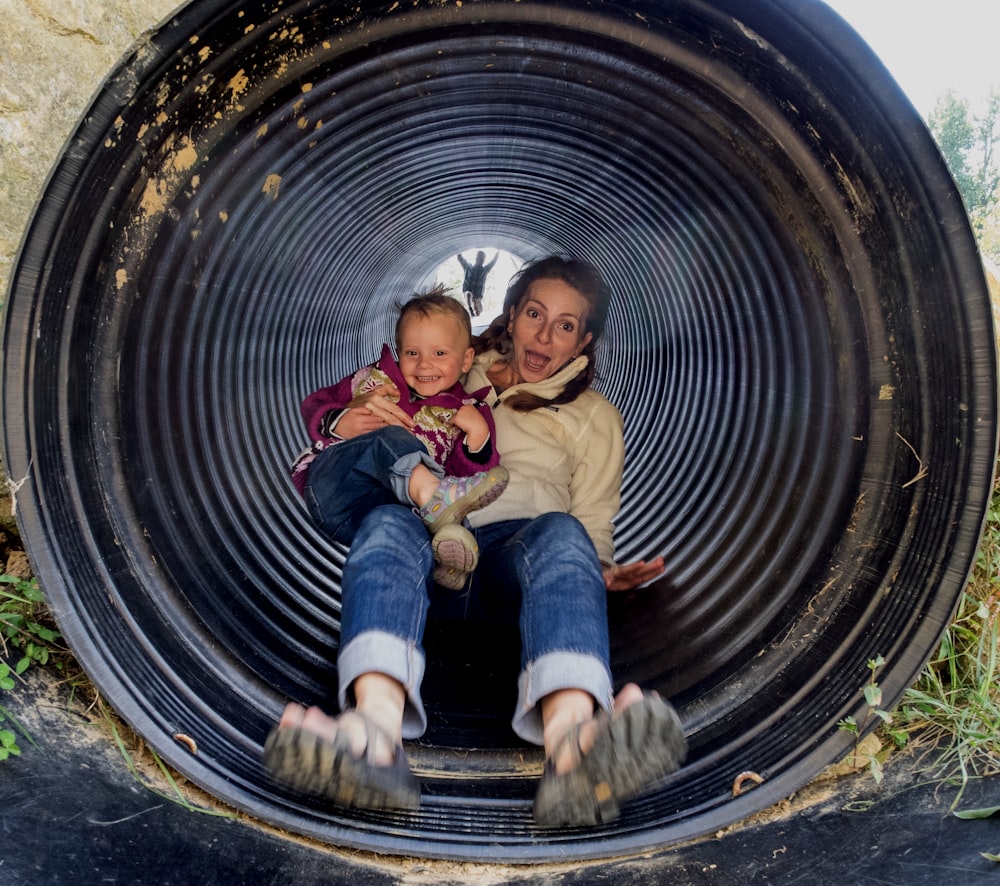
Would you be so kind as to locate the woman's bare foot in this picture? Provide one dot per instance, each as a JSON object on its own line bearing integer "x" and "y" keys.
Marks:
{"x": 380, "y": 700}
{"x": 563, "y": 711}
{"x": 601, "y": 761}
{"x": 348, "y": 725}
{"x": 350, "y": 759}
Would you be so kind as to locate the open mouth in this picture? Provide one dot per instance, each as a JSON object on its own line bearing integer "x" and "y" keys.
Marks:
{"x": 535, "y": 362}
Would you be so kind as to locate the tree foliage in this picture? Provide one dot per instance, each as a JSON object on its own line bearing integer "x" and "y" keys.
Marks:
{"x": 969, "y": 145}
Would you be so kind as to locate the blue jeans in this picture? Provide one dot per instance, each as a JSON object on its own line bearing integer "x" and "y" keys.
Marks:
{"x": 350, "y": 478}
{"x": 543, "y": 573}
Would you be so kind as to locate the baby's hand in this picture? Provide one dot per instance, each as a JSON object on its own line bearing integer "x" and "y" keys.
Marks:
{"x": 470, "y": 420}
{"x": 379, "y": 405}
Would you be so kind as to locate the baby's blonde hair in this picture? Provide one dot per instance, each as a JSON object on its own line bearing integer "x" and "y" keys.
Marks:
{"x": 434, "y": 302}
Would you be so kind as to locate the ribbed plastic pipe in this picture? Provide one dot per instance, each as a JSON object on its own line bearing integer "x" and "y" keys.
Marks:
{"x": 800, "y": 343}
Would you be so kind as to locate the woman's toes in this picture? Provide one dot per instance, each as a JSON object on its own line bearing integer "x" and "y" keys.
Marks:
{"x": 291, "y": 716}
{"x": 319, "y": 723}
{"x": 350, "y": 725}
{"x": 628, "y": 695}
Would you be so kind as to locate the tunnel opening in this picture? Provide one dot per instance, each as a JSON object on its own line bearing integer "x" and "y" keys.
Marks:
{"x": 502, "y": 267}
{"x": 800, "y": 327}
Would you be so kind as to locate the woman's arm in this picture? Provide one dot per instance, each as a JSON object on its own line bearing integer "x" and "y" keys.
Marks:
{"x": 319, "y": 404}
{"x": 595, "y": 485}
{"x": 596, "y": 497}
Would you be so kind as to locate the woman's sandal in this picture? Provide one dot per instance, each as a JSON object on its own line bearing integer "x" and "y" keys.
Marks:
{"x": 631, "y": 751}
{"x": 312, "y": 765}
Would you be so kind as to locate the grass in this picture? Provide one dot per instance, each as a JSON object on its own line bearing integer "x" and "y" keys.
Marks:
{"x": 27, "y": 637}
{"x": 954, "y": 707}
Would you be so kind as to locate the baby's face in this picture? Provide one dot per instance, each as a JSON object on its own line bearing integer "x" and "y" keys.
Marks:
{"x": 434, "y": 351}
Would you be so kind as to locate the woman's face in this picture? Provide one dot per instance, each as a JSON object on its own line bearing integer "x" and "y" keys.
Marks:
{"x": 547, "y": 330}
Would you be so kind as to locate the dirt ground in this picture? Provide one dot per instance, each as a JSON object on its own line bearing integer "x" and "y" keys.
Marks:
{"x": 83, "y": 728}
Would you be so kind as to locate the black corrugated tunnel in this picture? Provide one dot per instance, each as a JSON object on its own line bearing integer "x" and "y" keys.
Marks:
{"x": 800, "y": 343}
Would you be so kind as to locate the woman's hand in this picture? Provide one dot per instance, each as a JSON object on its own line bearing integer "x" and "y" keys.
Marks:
{"x": 624, "y": 577}
{"x": 371, "y": 411}
{"x": 471, "y": 421}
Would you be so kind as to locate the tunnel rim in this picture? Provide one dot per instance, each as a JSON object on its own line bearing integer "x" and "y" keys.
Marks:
{"x": 37, "y": 527}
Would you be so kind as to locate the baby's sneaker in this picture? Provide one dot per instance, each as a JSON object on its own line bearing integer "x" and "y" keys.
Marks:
{"x": 457, "y": 497}
{"x": 456, "y": 554}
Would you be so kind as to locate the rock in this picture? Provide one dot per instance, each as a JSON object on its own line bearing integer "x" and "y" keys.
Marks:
{"x": 56, "y": 53}
{"x": 18, "y": 565}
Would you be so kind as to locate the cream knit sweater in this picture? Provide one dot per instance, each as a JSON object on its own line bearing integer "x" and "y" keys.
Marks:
{"x": 565, "y": 458}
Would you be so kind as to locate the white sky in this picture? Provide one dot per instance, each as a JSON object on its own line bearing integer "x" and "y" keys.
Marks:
{"x": 931, "y": 46}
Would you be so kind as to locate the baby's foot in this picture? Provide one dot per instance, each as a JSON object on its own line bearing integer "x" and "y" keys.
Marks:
{"x": 456, "y": 555}
{"x": 457, "y": 497}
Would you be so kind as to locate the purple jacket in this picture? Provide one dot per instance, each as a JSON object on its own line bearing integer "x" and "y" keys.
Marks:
{"x": 432, "y": 417}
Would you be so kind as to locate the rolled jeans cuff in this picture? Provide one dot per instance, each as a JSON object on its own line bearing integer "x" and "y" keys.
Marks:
{"x": 550, "y": 673}
{"x": 399, "y": 474}
{"x": 383, "y": 653}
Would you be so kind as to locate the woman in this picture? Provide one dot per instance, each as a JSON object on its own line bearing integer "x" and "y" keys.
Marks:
{"x": 545, "y": 548}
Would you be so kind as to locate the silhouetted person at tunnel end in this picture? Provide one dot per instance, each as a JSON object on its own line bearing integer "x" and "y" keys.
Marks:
{"x": 474, "y": 284}
{"x": 546, "y": 562}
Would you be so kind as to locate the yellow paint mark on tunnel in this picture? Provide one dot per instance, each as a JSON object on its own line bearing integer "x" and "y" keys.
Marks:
{"x": 239, "y": 83}
{"x": 271, "y": 185}
{"x": 183, "y": 158}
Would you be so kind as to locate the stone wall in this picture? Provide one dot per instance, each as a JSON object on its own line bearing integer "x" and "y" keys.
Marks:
{"x": 54, "y": 55}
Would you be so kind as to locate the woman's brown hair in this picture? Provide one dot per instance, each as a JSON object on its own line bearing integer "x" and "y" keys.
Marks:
{"x": 586, "y": 279}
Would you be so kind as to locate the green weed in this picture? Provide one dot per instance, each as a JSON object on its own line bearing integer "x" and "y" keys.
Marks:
{"x": 27, "y": 638}
{"x": 873, "y": 700}
{"x": 954, "y": 706}
{"x": 25, "y": 626}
